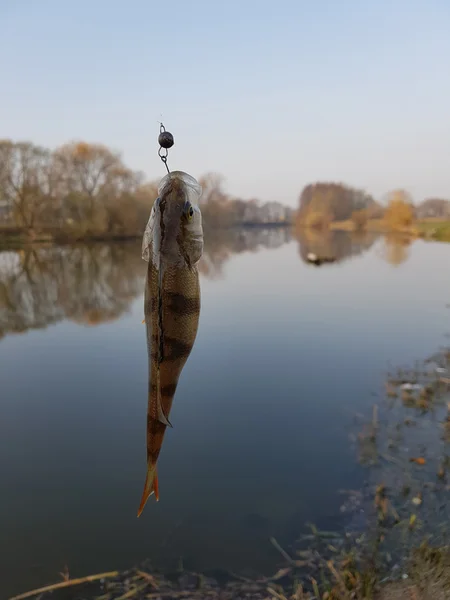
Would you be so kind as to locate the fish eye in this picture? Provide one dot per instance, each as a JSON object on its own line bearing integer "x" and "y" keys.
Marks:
{"x": 190, "y": 212}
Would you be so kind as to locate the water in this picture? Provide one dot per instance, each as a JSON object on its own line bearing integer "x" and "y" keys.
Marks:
{"x": 286, "y": 353}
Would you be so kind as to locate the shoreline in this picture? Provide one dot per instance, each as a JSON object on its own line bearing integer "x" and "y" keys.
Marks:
{"x": 428, "y": 230}
{"x": 15, "y": 239}
{"x": 12, "y": 238}
{"x": 426, "y": 577}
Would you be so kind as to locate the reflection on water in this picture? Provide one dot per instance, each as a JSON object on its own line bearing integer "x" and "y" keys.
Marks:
{"x": 220, "y": 245}
{"x": 338, "y": 245}
{"x": 94, "y": 284}
{"x": 85, "y": 284}
{"x": 396, "y": 249}
{"x": 285, "y": 356}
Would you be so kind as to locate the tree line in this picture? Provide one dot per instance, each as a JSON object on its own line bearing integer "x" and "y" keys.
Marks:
{"x": 78, "y": 189}
{"x": 320, "y": 204}
{"x": 83, "y": 190}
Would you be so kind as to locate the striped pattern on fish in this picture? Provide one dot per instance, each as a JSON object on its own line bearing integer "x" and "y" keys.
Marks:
{"x": 172, "y": 246}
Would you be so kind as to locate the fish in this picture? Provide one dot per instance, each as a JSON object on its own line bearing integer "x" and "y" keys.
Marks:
{"x": 172, "y": 246}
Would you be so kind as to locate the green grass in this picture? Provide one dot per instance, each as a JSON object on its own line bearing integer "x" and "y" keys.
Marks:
{"x": 434, "y": 230}
{"x": 429, "y": 229}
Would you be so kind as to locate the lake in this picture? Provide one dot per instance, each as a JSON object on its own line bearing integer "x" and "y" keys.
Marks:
{"x": 286, "y": 354}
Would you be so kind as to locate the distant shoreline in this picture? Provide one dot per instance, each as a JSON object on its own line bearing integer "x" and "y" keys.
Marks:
{"x": 16, "y": 238}
{"x": 437, "y": 230}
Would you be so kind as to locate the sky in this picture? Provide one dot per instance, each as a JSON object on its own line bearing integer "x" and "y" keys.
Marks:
{"x": 271, "y": 94}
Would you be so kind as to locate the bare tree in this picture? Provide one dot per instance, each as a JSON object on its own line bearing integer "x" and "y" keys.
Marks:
{"x": 23, "y": 169}
{"x": 89, "y": 177}
{"x": 82, "y": 190}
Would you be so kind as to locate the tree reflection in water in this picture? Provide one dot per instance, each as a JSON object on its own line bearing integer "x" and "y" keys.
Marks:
{"x": 94, "y": 284}
{"x": 221, "y": 244}
{"x": 396, "y": 249}
{"x": 339, "y": 245}
{"x": 86, "y": 284}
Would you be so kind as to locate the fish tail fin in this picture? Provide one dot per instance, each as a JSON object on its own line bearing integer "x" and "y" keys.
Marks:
{"x": 150, "y": 487}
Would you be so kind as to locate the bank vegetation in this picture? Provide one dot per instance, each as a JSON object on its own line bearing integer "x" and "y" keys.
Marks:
{"x": 83, "y": 191}
{"x": 325, "y": 206}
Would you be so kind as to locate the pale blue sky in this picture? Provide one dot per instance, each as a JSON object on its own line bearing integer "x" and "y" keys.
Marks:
{"x": 273, "y": 94}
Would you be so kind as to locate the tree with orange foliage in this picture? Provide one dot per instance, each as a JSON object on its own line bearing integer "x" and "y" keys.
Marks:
{"x": 82, "y": 190}
{"x": 400, "y": 211}
{"x": 95, "y": 188}
{"x": 333, "y": 201}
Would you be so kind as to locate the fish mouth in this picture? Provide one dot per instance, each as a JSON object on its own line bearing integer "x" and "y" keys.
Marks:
{"x": 183, "y": 180}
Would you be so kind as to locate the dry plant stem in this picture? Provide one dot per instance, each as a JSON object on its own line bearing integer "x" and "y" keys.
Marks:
{"x": 147, "y": 577}
{"x": 276, "y": 594}
{"x": 64, "y": 584}
{"x": 133, "y": 591}
{"x": 282, "y": 552}
{"x": 171, "y": 594}
{"x": 338, "y": 578}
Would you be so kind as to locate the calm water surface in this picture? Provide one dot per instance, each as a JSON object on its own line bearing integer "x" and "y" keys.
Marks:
{"x": 286, "y": 353}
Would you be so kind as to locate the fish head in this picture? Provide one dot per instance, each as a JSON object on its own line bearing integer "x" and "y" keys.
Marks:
{"x": 174, "y": 232}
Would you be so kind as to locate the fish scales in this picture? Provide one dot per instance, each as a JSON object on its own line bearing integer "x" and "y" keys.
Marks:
{"x": 172, "y": 246}
{"x": 180, "y": 317}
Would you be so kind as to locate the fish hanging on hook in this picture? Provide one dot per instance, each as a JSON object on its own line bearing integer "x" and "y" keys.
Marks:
{"x": 172, "y": 246}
